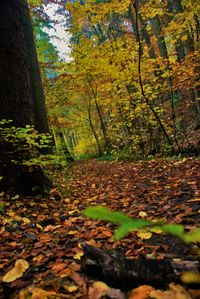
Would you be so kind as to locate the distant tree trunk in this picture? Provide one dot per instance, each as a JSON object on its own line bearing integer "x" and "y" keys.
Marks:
{"x": 103, "y": 127}
{"x": 145, "y": 36}
{"x": 188, "y": 47}
{"x": 93, "y": 129}
{"x": 189, "y": 42}
{"x": 64, "y": 147}
{"x": 154, "y": 112}
{"x": 160, "y": 38}
{"x": 16, "y": 100}
{"x": 40, "y": 115}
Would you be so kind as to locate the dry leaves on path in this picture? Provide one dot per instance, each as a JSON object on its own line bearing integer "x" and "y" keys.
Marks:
{"x": 47, "y": 232}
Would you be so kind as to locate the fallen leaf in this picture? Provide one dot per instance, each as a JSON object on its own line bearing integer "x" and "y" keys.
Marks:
{"x": 115, "y": 294}
{"x": 20, "y": 267}
{"x": 107, "y": 233}
{"x": 42, "y": 294}
{"x": 71, "y": 288}
{"x": 72, "y": 212}
{"x": 141, "y": 292}
{"x": 175, "y": 291}
{"x": 191, "y": 277}
{"x": 98, "y": 290}
{"x": 144, "y": 235}
{"x": 72, "y": 232}
{"x": 26, "y": 220}
{"x": 195, "y": 294}
{"x": 78, "y": 256}
{"x": 142, "y": 214}
{"x": 13, "y": 244}
{"x": 39, "y": 226}
{"x": 38, "y": 258}
{"x": 59, "y": 266}
{"x": 65, "y": 273}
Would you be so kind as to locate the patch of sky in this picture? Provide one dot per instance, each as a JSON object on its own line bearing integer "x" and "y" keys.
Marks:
{"x": 59, "y": 36}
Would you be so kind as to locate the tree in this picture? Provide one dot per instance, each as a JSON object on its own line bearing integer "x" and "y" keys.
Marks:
{"x": 40, "y": 115}
{"x": 134, "y": 74}
{"x": 16, "y": 99}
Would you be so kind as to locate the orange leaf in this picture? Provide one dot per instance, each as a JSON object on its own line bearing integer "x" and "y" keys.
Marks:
{"x": 141, "y": 292}
{"x": 98, "y": 290}
{"x": 58, "y": 267}
{"x": 42, "y": 294}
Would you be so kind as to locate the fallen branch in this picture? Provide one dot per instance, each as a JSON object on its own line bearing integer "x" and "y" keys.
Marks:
{"x": 115, "y": 269}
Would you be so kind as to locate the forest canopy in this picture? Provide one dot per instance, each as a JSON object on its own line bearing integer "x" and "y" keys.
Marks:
{"x": 131, "y": 88}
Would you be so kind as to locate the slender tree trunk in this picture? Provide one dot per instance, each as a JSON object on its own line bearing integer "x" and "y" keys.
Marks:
{"x": 145, "y": 36}
{"x": 135, "y": 5}
{"x": 103, "y": 128}
{"x": 189, "y": 42}
{"x": 93, "y": 129}
{"x": 64, "y": 147}
{"x": 156, "y": 26}
{"x": 188, "y": 47}
{"x": 157, "y": 29}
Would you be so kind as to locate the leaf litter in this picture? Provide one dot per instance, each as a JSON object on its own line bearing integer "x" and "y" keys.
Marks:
{"x": 40, "y": 238}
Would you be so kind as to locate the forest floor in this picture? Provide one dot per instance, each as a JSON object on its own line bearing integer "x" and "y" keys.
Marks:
{"x": 45, "y": 234}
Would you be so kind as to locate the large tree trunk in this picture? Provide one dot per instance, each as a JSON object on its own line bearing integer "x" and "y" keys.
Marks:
{"x": 40, "y": 115}
{"x": 15, "y": 96}
{"x": 16, "y": 101}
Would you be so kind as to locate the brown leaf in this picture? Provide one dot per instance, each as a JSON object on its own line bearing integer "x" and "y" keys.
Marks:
{"x": 175, "y": 291}
{"x": 115, "y": 294}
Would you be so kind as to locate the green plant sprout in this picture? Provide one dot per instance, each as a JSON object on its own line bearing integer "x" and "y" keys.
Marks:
{"x": 127, "y": 224}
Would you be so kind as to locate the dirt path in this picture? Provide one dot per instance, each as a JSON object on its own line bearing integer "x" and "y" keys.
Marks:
{"x": 48, "y": 232}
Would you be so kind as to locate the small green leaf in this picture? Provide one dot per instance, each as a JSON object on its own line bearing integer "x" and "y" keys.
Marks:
{"x": 173, "y": 229}
{"x": 122, "y": 231}
{"x": 105, "y": 214}
{"x": 192, "y": 237}
{"x": 127, "y": 224}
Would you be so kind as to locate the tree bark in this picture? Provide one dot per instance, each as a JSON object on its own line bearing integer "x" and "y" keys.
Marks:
{"x": 93, "y": 129}
{"x": 118, "y": 271}
{"x": 64, "y": 146}
{"x": 16, "y": 102}
{"x": 15, "y": 95}
{"x": 40, "y": 115}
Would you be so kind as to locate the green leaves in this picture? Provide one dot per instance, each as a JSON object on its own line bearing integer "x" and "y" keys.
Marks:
{"x": 127, "y": 224}
{"x": 21, "y": 142}
{"x": 193, "y": 236}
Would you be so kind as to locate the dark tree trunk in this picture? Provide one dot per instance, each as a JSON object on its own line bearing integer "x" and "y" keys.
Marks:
{"x": 40, "y": 115}
{"x": 93, "y": 129}
{"x": 160, "y": 38}
{"x": 15, "y": 95}
{"x": 16, "y": 101}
